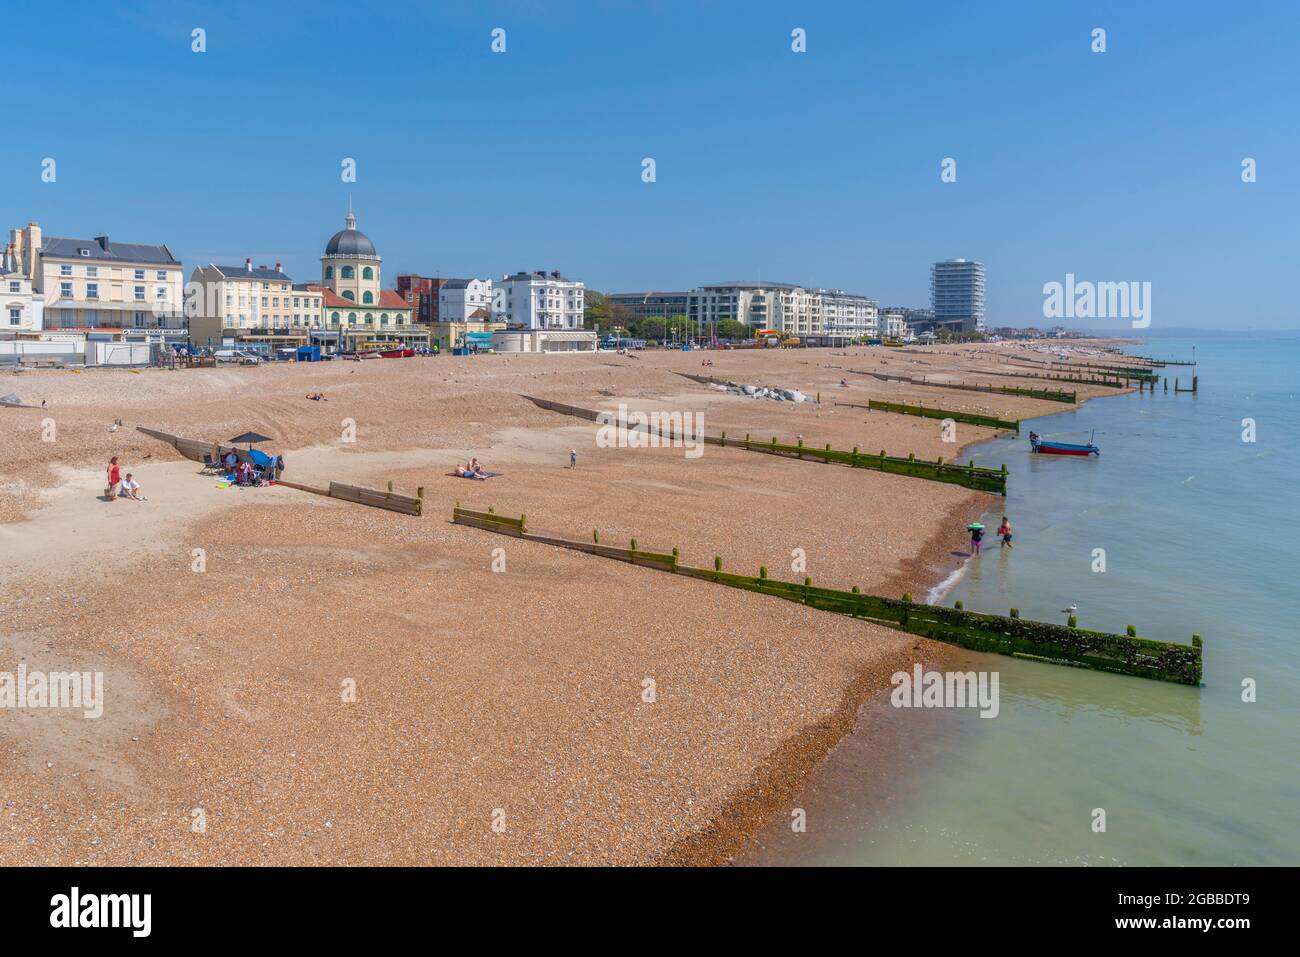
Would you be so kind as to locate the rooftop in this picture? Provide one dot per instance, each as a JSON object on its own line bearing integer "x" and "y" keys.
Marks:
{"x": 101, "y": 249}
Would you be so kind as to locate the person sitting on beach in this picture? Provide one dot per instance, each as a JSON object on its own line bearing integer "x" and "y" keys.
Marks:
{"x": 230, "y": 460}
{"x": 131, "y": 489}
{"x": 474, "y": 466}
{"x": 244, "y": 474}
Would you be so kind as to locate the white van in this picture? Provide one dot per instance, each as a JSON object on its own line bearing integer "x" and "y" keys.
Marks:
{"x": 236, "y": 355}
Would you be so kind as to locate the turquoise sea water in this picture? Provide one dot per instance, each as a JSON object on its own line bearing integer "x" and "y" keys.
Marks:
{"x": 1201, "y": 533}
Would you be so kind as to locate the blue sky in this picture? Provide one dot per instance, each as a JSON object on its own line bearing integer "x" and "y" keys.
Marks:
{"x": 818, "y": 168}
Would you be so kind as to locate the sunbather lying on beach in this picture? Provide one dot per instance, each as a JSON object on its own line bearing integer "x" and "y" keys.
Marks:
{"x": 464, "y": 471}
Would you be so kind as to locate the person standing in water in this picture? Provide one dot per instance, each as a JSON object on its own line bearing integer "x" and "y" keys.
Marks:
{"x": 1005, "y": 531}
{"x": 976, "y": 536}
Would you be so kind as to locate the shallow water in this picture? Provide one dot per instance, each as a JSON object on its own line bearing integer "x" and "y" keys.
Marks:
{"x": 1201, "y": 533}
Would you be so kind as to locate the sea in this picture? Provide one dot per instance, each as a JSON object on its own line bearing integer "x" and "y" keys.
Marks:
{"x": 1194, "y": 512}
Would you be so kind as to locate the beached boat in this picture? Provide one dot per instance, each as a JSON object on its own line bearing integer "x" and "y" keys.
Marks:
{"x": 1060, "y": 448}
{"x": 397, "y": 353}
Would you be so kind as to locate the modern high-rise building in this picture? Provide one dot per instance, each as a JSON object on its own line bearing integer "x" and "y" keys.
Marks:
{"x": 957, "y": 294}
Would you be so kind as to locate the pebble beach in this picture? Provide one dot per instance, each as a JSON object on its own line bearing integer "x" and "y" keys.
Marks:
{"x": 340, "y": 684}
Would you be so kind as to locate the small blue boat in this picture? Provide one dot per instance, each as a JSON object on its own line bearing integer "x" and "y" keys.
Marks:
{"x": 1060, "y": 448}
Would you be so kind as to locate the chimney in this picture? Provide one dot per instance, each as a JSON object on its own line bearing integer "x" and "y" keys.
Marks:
{"x": 277, "y": 267}
{"x": 103, "y": 242}
{"x": 248, "y": 264}
{"x": 555, "y": 274}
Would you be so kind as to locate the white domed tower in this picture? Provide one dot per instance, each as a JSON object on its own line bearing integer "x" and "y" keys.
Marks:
{"x": 350, "y": 266}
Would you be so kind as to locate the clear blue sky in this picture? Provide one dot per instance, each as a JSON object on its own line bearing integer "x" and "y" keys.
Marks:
{"x": 818, "y": 168}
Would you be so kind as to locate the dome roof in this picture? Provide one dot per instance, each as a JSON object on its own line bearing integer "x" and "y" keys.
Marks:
{"x": 350, "y": 241}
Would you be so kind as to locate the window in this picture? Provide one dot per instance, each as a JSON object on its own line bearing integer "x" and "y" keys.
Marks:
{"x": 329, "y": 272}
{"x": 92, "y": 290}
{"x": 352, "y": 317}
{"x": 370, "y": 318}
{"x": 16, "y": 287}
{"x": 139, "y": 274}
{"x": 349, "y": 294}
{"x": 139, "y": 320}
{"x": 266, "y": 285}
{"x": 347, "y": 273}
{"x": 263, "y": 302}
{"x": 367, "y": 273}
{"x": 65, "y": 290}
{"x": 15, "y": 316}
{"x": 65, "y": 269}
{"x": 367, "y": 298}
{"x": 92, "y": 270}
{"x": 295, "y": 302}
{"x": 275, "y": 301}
{"x": 139, "y": 293}
{"x": 162, "y": 292}
{"x": 162, "y": 275}
{"x": 383, "y": 318}
{"x": 334, "y": 318}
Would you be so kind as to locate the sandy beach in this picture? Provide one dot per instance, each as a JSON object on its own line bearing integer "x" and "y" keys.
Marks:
{"x": 499, "y": 717}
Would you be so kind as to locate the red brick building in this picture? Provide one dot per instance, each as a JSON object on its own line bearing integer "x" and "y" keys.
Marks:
{"x": 421, "y": 294}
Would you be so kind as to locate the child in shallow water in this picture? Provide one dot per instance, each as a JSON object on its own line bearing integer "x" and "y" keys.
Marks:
{"x": 1005, "y": 531}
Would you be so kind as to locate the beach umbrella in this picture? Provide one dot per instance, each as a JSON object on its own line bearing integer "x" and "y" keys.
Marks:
{"x": 250, "y": 438}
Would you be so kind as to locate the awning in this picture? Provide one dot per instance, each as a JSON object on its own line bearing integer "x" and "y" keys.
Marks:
{"x": 567, "y": 336}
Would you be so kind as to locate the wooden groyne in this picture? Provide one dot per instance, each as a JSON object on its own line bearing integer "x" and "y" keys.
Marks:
{"x": 199, "y": 450}
{"x": 1057, "y": 377}
{"x": 1011, "y": 635}
{"x": 1161, "y": 362}
{"x": 375, "y": 498}
{"x": 1046, "y": 394}
{"x": 969, "y": 476}
{"x": 925, "y": 411}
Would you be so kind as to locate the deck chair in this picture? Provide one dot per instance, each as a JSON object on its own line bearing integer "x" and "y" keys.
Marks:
{"x": 211, "y": 466}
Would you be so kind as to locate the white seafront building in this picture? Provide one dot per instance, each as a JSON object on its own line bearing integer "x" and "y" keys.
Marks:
{"x": 23, "y": 310}
{"x": 542, "y": 312}
{"x": 459, "y": 300}
{"x": 819, "y": 315}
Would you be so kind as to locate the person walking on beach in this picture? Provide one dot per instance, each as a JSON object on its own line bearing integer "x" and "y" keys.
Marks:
{"x": 114, "y": 478}
{"x": 573, "y": 458}
{"x": 1005, "y": 531}
{"x": 976, "y": 536}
